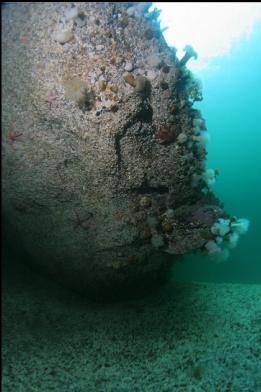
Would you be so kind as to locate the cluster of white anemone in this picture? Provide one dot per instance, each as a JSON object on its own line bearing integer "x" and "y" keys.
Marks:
{"x": 226, "y": 235}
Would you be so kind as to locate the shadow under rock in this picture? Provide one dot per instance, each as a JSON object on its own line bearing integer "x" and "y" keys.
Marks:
{"x": 35, "y": 305}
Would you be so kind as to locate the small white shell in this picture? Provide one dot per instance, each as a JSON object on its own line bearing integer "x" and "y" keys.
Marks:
{"x": 63, "y": 36}
{"x": 129, "y": 67}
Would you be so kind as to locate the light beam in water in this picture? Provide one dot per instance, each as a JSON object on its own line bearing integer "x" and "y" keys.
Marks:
{"x": 211, "y": 28}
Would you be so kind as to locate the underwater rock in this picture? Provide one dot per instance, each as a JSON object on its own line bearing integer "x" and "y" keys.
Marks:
{"x": 81, "y": 187}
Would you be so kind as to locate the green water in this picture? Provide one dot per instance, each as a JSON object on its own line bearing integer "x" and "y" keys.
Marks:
{"x": 232, "y": 109}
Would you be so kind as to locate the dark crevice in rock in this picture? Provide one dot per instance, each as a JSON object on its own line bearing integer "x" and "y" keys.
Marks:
{"x": 143, "y": 116}
{"x": 118, "y": 149}
{"x": 145, "y": 188}
{"x": 160, "y": 189}
{"x": 146, "y": 113}
{"x": 118, "y": 138}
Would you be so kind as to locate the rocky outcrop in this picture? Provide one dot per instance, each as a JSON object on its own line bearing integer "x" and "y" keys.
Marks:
{"x": 101, "y": 145}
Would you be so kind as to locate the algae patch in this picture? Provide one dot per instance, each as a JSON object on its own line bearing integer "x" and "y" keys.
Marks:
{"x": 77, "y": 91}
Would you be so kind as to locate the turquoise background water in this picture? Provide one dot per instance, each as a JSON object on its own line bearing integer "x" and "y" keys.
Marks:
{"x": 232, "y": 109}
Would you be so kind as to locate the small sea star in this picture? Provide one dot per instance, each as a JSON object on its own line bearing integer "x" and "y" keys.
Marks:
{"x": 12, "y": 136}
{"x": 51, "y": 98}
{"x": 81, "y": 222}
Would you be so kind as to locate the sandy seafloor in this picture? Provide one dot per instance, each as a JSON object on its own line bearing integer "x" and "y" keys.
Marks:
{"x": 186, "y": 337}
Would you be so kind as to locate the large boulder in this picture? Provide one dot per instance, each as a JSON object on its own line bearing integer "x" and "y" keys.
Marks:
{"x": 103, "y": 152}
